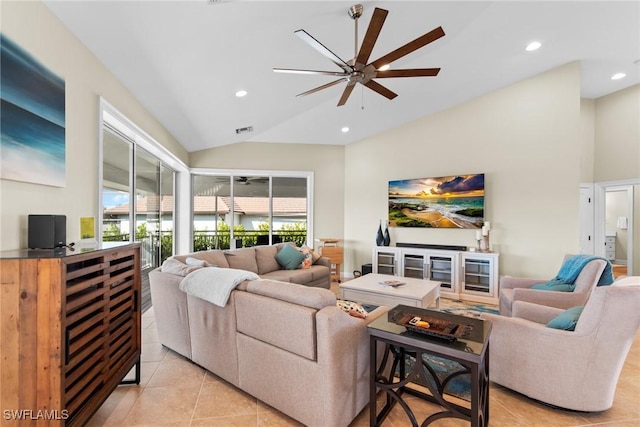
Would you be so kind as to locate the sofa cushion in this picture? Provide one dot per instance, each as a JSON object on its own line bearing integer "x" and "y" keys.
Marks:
{"x": 242, "y": 259}
{"x": 311, "y": 297}
{"x": 290, "y": 327}
{"x": 319, "y": 272}
{"x": 266, "y": 259}
{"x": 289, "y": 257}
{"x": 301, "y": 277}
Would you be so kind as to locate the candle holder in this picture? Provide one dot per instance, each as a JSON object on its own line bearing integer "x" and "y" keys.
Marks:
{"x": 486, "y": 245}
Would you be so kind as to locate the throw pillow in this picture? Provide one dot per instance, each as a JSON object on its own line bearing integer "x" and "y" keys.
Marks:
{"x": 314, "y": 255}
{"x": 196, "y": 262}
{"x": 289, "y": 257}
{"x": 566, "y": 320}
{"x": 308, "y": 257}
{"x": 353, "y": 308}
{"x": 173, "y": 266}
{"x": 555, "y": 285}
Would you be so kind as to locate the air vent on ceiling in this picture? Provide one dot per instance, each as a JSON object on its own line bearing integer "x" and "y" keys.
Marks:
{"x": 244, "y": 130}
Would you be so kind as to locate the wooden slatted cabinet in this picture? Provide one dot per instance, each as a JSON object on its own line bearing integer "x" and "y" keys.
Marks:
{"x": 70, "y": 332}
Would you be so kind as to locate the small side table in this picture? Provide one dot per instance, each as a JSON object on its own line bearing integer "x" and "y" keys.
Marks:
{"x": 471, "y": 351}
{"x": 331, "y": 250}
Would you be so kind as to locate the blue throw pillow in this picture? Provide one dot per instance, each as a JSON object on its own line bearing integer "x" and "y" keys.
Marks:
{"x": 555, "y": 285}
{"x": 566, "y": 320}
{"x": 289, "y": 257}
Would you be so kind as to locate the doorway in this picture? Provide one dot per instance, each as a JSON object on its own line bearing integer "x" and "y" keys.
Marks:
{"x": 616, "y": 216}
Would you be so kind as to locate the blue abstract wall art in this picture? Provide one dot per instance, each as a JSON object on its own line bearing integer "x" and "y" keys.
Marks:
{"x": 32, "y": 119}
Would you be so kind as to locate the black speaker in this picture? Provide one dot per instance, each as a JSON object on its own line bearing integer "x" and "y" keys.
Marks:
{"x": 367, "y": 269}
{"x": 47, "y": 231}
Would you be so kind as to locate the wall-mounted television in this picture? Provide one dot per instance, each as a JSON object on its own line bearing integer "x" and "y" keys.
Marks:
{"x": 441, "y": 202}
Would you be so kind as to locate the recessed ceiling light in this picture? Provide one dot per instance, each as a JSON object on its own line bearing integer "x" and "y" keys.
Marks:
{"x": 345, "y": 129}
{"x": 384, "y": 67}
{"x": 241, "y": 93}
{"x": 533, "y": 46}
{"x": 618, "y": 76}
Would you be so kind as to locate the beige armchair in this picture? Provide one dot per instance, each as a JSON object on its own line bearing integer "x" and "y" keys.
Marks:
{"x": 576, "y": 370}
{"x": 519, "y": 289}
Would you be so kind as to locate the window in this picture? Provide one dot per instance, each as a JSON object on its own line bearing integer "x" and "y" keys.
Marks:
{"x": 234, "y": 209}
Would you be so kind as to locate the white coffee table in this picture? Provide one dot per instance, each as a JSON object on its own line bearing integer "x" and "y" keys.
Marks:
{"x": 367, "y": 289}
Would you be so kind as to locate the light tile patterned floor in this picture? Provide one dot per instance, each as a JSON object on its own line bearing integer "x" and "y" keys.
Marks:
{"x": 175, "y": 392}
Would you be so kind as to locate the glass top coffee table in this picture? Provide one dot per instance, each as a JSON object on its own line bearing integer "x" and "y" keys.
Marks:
{"x": 461, "y": 339}
{"x": 368, "y": 289}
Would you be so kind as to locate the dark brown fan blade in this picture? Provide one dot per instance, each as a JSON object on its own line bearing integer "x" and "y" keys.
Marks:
{"x": 414, "y": 45}
{"x": 294, "y": 71}
{"x": 412, "y": 72}
{"x": 346, "y": 94}
{"x": 377, "y": 87}
{"x": 377, "y": 20}
{"x": 319, "y": 88}
{"x": 308, "y": 38}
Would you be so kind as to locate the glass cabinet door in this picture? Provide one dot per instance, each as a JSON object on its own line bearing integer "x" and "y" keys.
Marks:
{"x": 477, "y": 275}
{"x": 384, "y": 261}
{"x": 441, "y": 269}
{"x": 413, "y": 265}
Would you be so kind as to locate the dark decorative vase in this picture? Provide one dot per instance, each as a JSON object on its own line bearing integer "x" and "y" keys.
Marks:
{"x": 379, "y": 236}
{"x": 387, "y": 238}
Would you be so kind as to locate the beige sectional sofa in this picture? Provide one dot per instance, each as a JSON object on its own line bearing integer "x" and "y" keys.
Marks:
{"x": 284, "y": 343}
{"x": 262, "y": 261}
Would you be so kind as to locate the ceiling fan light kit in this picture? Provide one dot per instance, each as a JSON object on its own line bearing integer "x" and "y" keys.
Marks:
{"x": 358, "y": 70}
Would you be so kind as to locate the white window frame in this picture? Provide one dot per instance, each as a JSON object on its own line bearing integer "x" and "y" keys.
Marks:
{"x": 107, "y": 113}
{"x": 232, "y": 173}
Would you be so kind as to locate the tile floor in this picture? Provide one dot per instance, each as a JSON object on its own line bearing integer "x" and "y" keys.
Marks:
{"x": 175, "y": 392}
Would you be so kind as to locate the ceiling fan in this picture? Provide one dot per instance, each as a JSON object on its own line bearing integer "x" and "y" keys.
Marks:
{"x": 358, "y": 70}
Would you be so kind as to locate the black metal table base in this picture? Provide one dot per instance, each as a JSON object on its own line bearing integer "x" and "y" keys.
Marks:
{"x": 395, "y": 384}
{"x": 136, "y": 379}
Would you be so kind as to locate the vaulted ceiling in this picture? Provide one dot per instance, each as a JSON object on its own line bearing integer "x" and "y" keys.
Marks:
{"x": 185, "y": 60}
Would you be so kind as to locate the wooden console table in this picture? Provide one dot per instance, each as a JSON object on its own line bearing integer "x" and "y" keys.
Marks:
{"x": 70, "y": 324}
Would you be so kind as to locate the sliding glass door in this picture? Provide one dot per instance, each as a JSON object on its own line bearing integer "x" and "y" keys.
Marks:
{"x": 117, "y": 186}
{"x": 147, "y": 208}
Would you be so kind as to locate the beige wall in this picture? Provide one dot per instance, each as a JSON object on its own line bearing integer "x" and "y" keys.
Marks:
{"x": 326, "y": 161}
{"x": 35, "y": 29}
{"x": 617, "y": 135}
{"x": 587, "y": 154}
{"x": 525, "y": 138}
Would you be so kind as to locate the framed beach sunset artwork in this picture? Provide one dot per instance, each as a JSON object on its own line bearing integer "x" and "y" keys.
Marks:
{"x": 32, "y": 127}
{"x": 442, "y": 202}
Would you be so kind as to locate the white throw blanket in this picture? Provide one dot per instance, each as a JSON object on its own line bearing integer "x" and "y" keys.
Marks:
{"x": 215, "y": 284}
